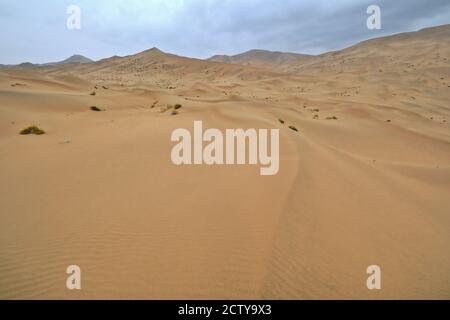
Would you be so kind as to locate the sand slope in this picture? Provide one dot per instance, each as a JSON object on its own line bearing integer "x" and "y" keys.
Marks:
{"x": 99, "y": 190}
{"x": 263, "y": 58}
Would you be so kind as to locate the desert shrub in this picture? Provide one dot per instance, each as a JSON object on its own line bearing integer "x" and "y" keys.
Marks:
{"x": 293, "y": 128}
{"x": 178, "y": 106}
{"x": 94, "y": 108}
{"x": 32, "y": 130}
{"x": 281, "y": 121}
{"x": 332, "y": 118}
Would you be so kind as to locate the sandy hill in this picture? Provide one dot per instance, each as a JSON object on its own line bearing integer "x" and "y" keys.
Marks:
{"x": 364, "y": 178}
{"x": 24, "y": 65}
{"x": 261, "y": 58}
{"x": 74, "y": 59}
{"x": 162, "y": 69}
{"x": 425, "y": 48}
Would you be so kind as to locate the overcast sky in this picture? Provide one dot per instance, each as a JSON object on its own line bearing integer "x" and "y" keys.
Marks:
{"x": 36, "y": 31}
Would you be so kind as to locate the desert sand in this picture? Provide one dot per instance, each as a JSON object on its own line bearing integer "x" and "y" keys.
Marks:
{"x": 98, "y": 189}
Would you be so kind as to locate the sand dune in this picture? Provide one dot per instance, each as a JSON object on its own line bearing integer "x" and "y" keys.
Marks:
{"x": 263, "y": 58}
{"x": 369, "y": 186}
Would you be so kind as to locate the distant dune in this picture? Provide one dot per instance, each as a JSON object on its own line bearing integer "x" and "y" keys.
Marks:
{"x": 73, "y": 59}
{"x": 422, "y": 49}
{"x": 261, "y": 58}
{"x": 364, "y": 179}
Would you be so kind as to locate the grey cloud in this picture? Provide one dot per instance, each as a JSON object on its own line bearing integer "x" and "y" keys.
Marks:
{"x": 200, "y": 28}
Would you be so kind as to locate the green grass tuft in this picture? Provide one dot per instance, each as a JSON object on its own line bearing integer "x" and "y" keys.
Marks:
{"x": 32, "y": 130}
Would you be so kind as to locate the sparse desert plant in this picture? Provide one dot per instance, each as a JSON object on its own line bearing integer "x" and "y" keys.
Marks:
{"x": 293, "y": 128}
{"x": 332, "y": 118}
{"x": 174, "y": 113}
{"x": 93, "y": 93}
{"x": 178, "y": 106}
{"x": 32, "y": 130}
{"x": 94, "y": 108}
{"x": 281, "y": 121}
{"x": 316, "y": 117}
